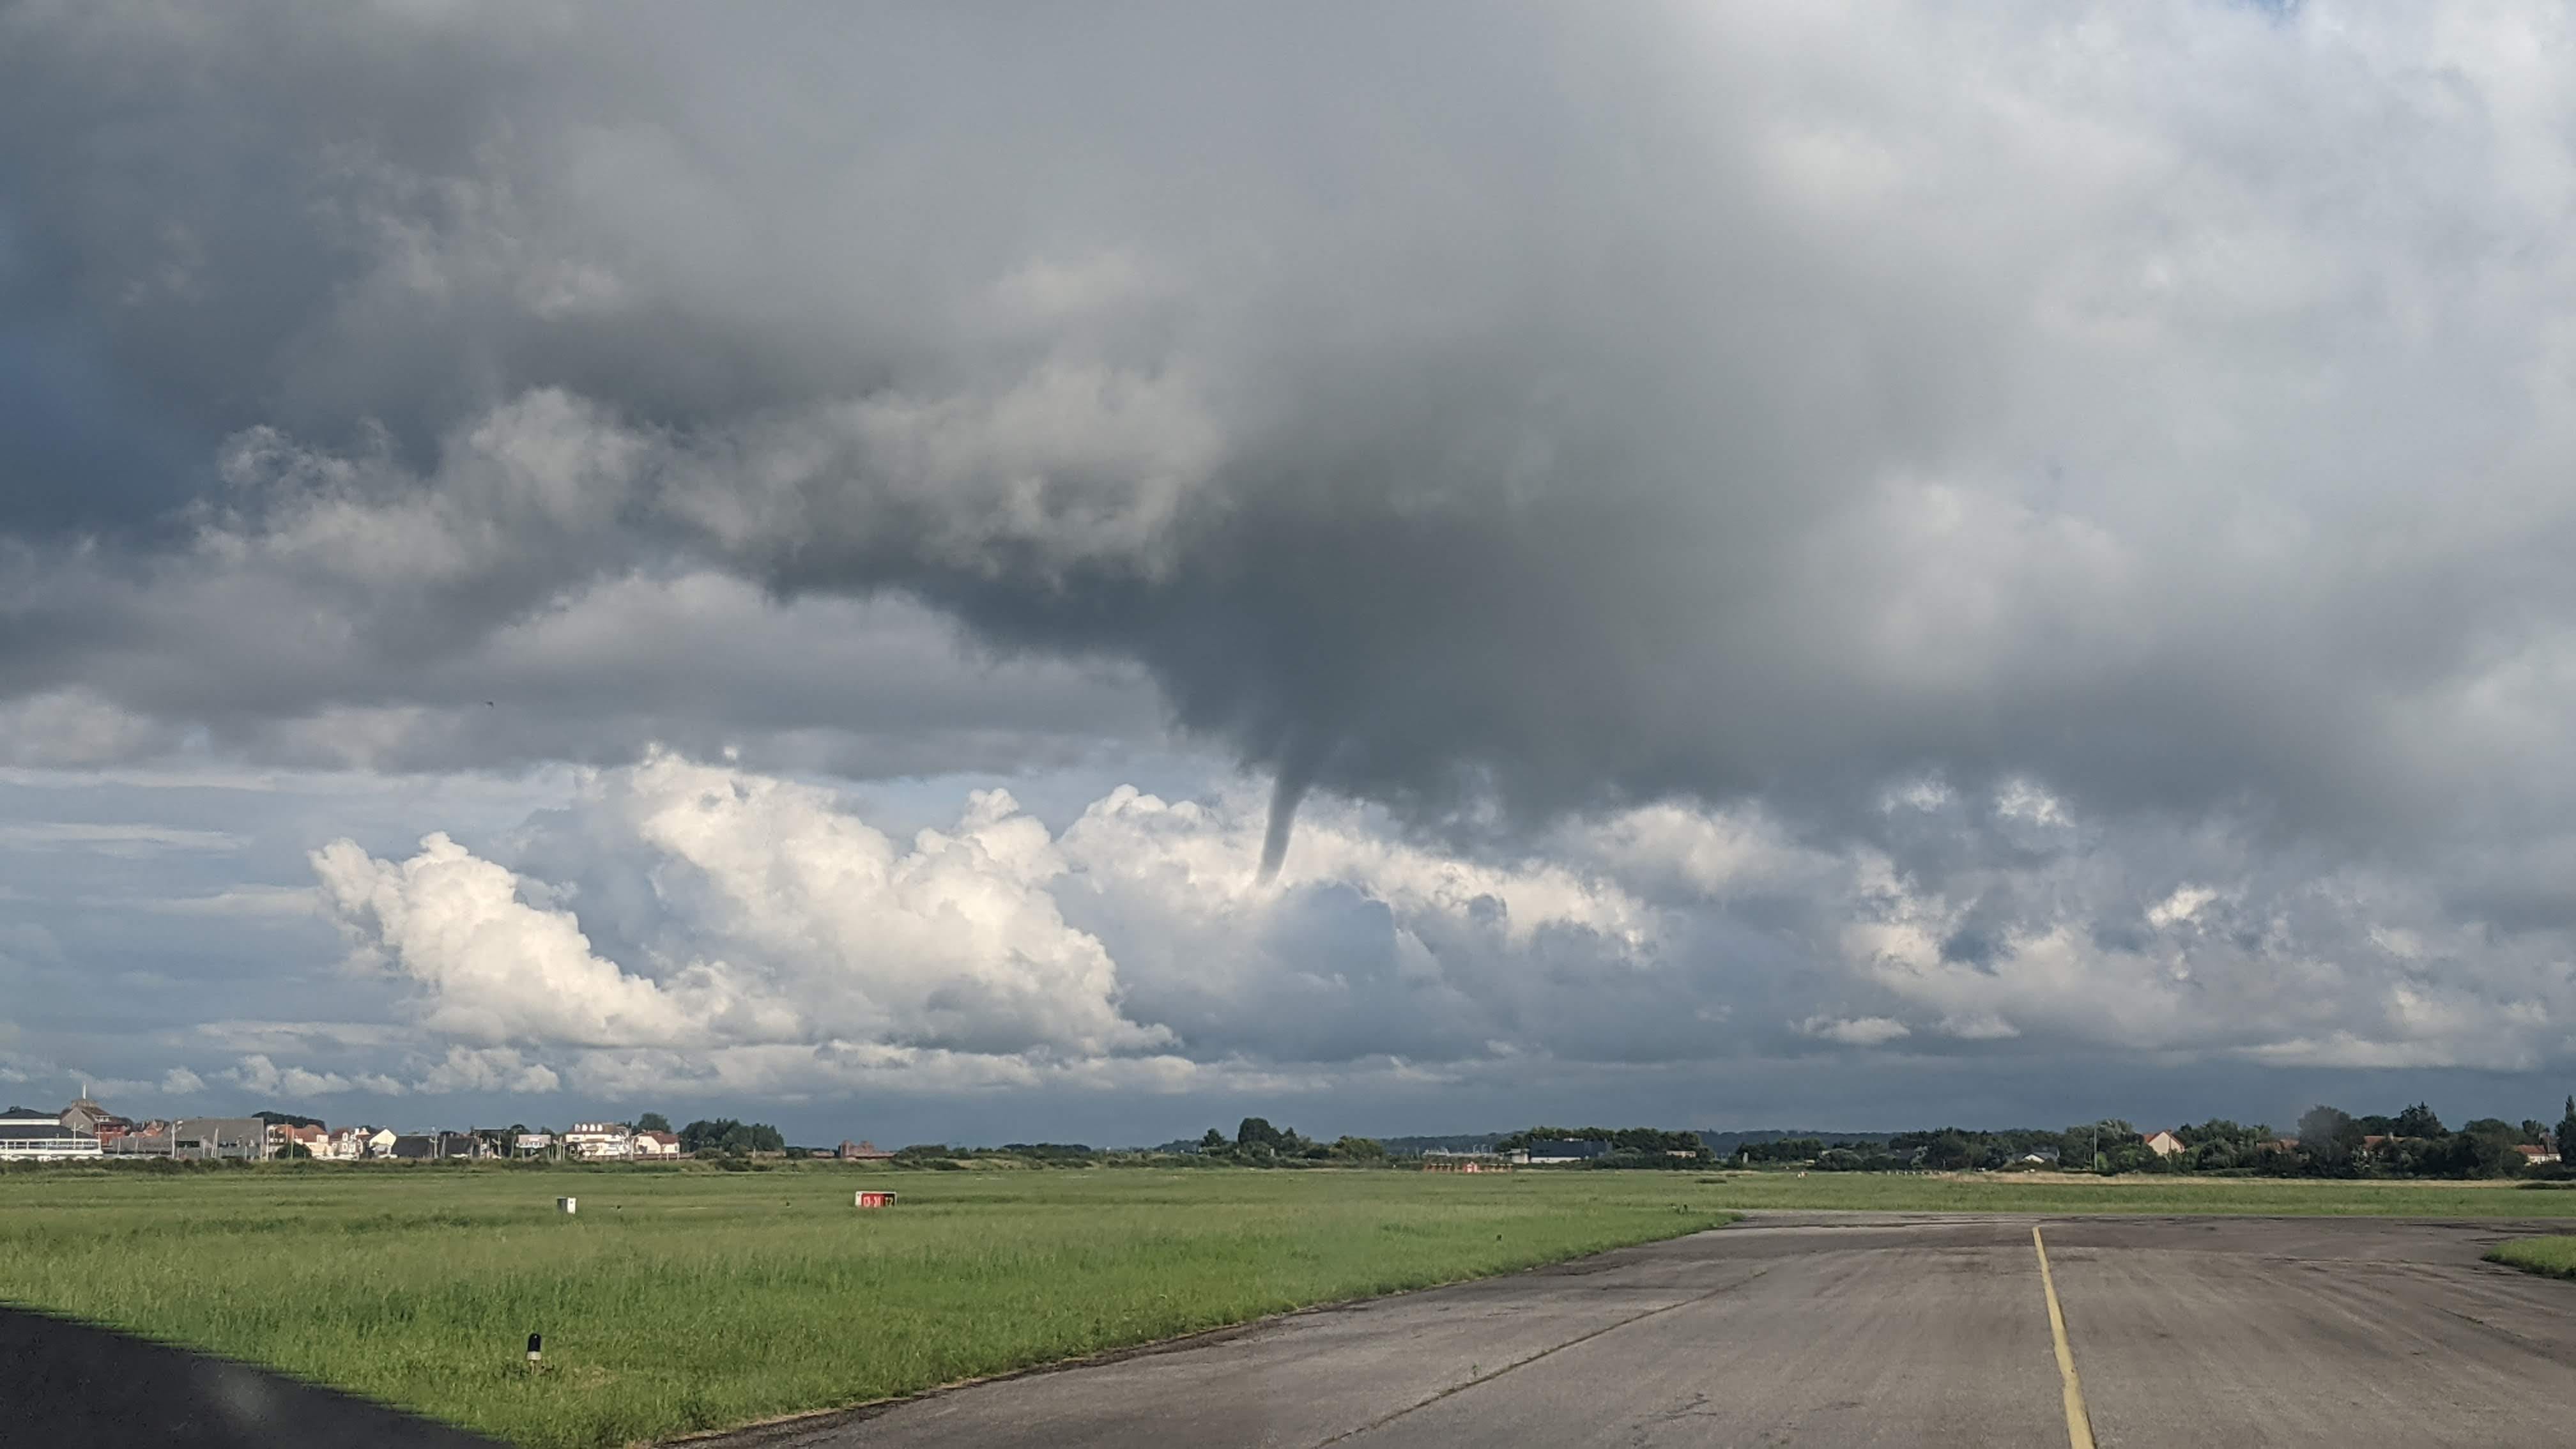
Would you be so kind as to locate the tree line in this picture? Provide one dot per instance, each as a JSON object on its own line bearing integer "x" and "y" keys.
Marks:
{"x": 1622, "y": 1146}
{"x": 2328, "y": 1142}
{"x": 1256, "y": 1143}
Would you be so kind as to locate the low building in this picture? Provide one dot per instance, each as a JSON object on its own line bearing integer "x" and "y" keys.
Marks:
{"x": 430, "y": 1146}
{"x": 599, "y": 1141}
{"x": 657, "y": 1144}
{"x": 1566, "y": 1149}
{"x": 2163, "y": 1144}
{"x": 2533, "y": 1155}
{"x": 532, "y": 1144}
{"x": 863, "y": 1152}
{"x": 462, "y": 1145}
{"x": 27, "y": 1135}
{"x": 202, "y": 1138}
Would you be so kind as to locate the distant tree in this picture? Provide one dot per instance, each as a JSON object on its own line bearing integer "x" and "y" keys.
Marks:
{"x": 2485, "y": 1148}
{"x": 2328, "y": 1136}
{"x": 2417, "y": 1121}
{"x": 2104, "y": 1146}
{"x": 1359, "y": 1149}
{"x": 2124, "y": 1148}
{"x": 1949, "y": 1150}
{"x": 2566, "y": 1138}
{"x": 1214, "y": 1141}
{"x": 2533, "y": 1131}
{"x": 652, "y": 1122}
{"x": 1257, "y": 1132}
{"x": 726, "y": 1137}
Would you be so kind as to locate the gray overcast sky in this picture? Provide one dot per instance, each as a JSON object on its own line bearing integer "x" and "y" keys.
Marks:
{"x": 1795, "y": 564}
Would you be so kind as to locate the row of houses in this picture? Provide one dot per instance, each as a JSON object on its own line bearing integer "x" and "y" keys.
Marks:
{"x": 87, "y": 1130}
{"x": 584, "y": 1142}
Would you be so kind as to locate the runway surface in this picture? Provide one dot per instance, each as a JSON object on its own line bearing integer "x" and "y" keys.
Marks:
{"x": 1848, "y": 1329}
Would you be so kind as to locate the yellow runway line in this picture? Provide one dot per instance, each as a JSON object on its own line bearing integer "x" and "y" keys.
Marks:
{"x": 2079, "y": 1424}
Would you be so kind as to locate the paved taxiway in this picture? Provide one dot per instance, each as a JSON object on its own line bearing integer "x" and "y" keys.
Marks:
{"x": 1848, "y": 1329}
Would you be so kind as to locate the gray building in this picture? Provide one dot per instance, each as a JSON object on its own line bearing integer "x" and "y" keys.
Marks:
{"x": 87, "y": 1116}
{"x": 198, "y": 1137}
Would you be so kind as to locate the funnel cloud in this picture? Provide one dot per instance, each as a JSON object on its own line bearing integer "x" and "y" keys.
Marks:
{"x": 1285, "y": 792}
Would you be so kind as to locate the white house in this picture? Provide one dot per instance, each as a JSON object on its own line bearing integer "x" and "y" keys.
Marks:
{"x": 599, "y": 1141}
{"x": 532, "y": 1144}
{"x": 380, "y": 1142}
{"x": 656, "y": 1145}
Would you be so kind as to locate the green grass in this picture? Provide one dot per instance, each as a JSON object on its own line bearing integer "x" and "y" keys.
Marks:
{"x": 2033, "y": 1193}
{"x": 678, "y": 1301}
{"x": 2553, "y": 1257}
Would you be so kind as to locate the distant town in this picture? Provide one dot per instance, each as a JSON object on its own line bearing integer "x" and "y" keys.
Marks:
{"x": 88, "y": 1131}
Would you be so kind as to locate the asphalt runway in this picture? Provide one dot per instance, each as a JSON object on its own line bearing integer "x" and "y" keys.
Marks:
{"x": 1846, "y": 1329}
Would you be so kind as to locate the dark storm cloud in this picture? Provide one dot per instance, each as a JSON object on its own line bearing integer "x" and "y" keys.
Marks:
{"x": 1444, "y": 406}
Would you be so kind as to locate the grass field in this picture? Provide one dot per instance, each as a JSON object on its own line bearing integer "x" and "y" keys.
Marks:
{"x": 2050, "y": 1193}
{"x": 2554, "y": 1257}
{"x": 684, "y": 1300}
{"x": 677, "y": 1301}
